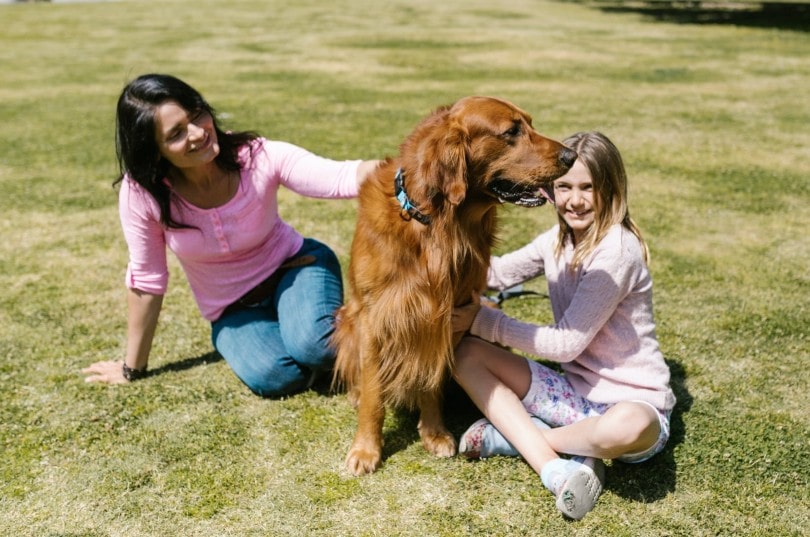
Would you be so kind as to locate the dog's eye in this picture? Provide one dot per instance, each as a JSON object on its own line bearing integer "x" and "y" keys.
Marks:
{"x": 513, "y": 131}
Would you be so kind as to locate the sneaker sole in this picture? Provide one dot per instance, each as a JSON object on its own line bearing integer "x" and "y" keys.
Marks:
{"x": 579, "y": 494}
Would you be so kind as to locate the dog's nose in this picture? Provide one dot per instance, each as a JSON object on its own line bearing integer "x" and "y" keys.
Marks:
{"x": 568, "y": 157}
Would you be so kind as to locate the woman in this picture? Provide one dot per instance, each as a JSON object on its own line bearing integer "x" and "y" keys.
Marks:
{"x": 211, "y": 197}
{"x": 612, "y": 399}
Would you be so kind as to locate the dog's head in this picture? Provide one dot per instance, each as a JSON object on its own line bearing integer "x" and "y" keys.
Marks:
{"x": 482, "y": 148}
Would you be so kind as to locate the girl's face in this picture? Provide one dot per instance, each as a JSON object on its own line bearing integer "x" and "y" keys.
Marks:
{"x": 186, "y": 139}
{"x": 573, "y": 196}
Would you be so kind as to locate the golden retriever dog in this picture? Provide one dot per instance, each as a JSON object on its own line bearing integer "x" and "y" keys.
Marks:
{"x": 425, "y": 229}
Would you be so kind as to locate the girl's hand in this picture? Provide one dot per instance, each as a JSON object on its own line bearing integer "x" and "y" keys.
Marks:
{"x": 108, "y": 372}
{"x": 463, "y": 316}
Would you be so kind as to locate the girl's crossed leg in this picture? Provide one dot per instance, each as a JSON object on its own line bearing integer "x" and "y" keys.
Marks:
{"x": 510, "y": 389}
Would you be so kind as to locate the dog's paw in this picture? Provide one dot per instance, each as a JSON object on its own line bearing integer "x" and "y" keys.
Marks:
{"x": 361, "y": 461}
{"x": 440, "y": 444}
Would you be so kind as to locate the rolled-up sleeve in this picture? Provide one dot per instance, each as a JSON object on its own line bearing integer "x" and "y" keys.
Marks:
{"x": 147, "y": 269}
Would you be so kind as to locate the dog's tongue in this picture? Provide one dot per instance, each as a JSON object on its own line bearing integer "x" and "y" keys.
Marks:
{"x": 548, "y": 193}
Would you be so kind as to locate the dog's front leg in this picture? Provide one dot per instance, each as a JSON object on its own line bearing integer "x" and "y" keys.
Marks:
{"x": 365, "y": 455}
{"x": 435, "y": 436}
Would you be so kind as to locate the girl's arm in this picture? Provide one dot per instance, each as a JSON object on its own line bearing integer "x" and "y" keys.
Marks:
{"x": 504, "y": 272}
{"x": 603, "y": 284}
{"x": 519, "y": 265}
{"x": 593, "y": 304}
{"x": 142, "y": 318}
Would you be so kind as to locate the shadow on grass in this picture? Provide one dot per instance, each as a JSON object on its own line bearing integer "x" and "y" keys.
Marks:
{"x": 780, "y": 15}
{"x": 654, "y": 479}
{"x": 322, "y": 384}
{"x": 459, "y": 412}
{"x": 400, "y": 431}
{"x": 187, "y": 363}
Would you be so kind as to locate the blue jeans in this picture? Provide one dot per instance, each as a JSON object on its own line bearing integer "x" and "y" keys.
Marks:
{"x": 276, "y": 347}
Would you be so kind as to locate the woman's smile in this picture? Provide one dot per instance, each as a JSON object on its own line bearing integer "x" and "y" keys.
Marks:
{"x": 200, "y": 146}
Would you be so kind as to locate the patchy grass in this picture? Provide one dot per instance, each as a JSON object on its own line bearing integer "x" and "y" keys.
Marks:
{"x": 706, "y": 109}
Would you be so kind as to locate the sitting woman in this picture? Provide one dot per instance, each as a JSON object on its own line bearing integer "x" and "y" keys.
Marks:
{"x": 210, "y": 196}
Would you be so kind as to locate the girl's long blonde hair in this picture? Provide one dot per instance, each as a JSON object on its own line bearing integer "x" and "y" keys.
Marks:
{"x": 604, "y": 162}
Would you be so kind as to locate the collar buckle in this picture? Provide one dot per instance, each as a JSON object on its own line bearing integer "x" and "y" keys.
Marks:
{"x": 409, "y": 210}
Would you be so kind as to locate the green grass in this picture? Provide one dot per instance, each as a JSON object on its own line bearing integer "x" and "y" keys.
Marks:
{"x": 711, "y": 116}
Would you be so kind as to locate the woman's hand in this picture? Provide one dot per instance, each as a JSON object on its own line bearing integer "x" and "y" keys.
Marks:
{"x": 109, "y": 372}
{"x": 143, "y": 312}
{"x": 463, "y": 316}
{"x": 365, "y": 169}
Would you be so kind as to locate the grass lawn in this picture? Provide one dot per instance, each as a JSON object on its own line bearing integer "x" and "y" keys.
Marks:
{"x": 712, "y": 118}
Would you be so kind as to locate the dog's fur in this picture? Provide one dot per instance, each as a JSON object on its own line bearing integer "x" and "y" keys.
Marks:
{"x": 393, "y": 336}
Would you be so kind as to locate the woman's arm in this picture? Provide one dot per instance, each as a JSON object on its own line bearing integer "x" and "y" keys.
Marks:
{"x": 144, "y": 310}
{"x": 309, "y": 174}
{"x": 142, "y": 319}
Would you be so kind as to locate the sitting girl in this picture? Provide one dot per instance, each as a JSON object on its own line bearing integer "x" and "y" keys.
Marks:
{"x": 612, "y": 399}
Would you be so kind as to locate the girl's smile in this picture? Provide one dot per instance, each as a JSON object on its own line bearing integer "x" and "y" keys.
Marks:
{"x": 573, "y": 195}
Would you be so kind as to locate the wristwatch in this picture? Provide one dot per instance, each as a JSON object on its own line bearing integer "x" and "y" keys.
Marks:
{"x": 132, "y": 374}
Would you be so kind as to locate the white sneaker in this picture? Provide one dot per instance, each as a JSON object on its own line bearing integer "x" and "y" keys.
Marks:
{"x": 577, "y": 495}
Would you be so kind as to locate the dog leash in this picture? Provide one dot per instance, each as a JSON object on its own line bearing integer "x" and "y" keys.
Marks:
{"x": 513, "y": 292}
{"x": 405, "y": 203}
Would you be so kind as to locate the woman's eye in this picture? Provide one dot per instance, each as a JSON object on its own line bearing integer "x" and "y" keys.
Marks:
{"x": 198, "y": 115}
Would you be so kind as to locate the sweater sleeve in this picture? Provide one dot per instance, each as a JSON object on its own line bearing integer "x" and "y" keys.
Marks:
{"x": 603, "y": 284}
{"x": 147, "y": 269}
{"x": 518, "y": 266}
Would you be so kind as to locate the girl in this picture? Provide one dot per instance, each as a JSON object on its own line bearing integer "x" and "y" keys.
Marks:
{"x": 612, "y": 399}
{"x": 211, "y": 197}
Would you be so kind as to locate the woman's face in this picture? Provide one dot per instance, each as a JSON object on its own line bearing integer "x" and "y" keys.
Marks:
{"x": 573, "y": 196}
{"x": 186, "y": 139}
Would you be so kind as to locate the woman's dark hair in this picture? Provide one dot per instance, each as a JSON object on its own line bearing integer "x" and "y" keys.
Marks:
{"x": 135, "y": 145}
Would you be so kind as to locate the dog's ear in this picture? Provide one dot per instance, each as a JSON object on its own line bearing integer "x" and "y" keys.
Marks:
{"x": 443, "y": 160}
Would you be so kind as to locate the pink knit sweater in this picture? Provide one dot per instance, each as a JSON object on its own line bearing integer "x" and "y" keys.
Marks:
{"x": 604, "y": 332}
{"x": 234, "y": 246}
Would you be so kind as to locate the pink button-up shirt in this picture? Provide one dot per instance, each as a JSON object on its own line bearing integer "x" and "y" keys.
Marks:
{"x": 231, "y": 248}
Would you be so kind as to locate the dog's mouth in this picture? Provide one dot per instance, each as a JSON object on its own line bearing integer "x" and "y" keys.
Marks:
{"x": 510, "y": 192}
